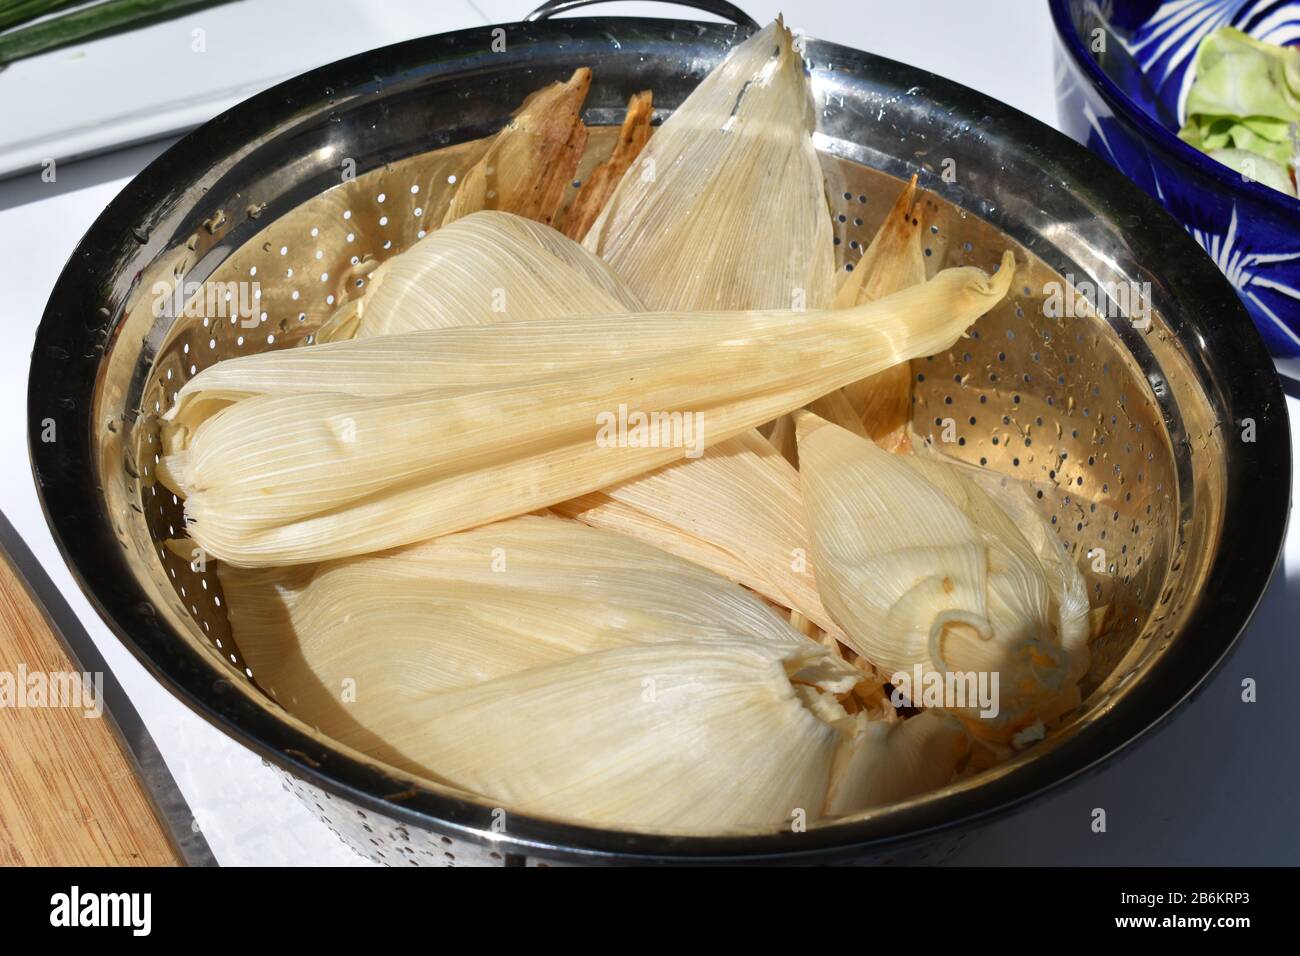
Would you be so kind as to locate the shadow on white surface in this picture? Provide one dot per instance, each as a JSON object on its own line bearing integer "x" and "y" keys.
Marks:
{"x": 72, "y": 177}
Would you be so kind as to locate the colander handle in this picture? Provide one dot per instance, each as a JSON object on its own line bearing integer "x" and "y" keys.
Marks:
{"x": 720, "y": 8}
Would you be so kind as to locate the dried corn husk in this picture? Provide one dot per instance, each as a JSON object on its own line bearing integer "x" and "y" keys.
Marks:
{"x": 604, "y": 179}
{"x": 871, "y": 696}
{"x": 608, "y": 514}
{"x": 538, "y": 617}
{"x": 922, "y": 569}
{"x": 809, "y": 629}
{"x": 679, "y": 737}
{"x": 485, "y": 268}
{"x": 836, "y": 408}
{"x": 737, "y": 510}
{"x": 592, "y": 677}
{"x": 725, "y": 208}
{"x": 532, "y": 160}
{"x": 721, "y": 507}
{"x": 894, "y": 260}
{"x": 1000, "y": 504}
{"x": 458, "y": 276}
{"x": 471, "y": 607}
{"x": 351, "y": 447}
{"x": 780, "y": 435}
{"x": 884, "y": 762}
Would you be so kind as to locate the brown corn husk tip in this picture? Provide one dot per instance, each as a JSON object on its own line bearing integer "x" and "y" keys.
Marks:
{"x": 604, "y": 179}
{"x": 532, "y": 161}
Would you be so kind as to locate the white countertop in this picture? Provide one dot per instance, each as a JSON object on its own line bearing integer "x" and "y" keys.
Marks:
{"x": 1218, "y": 785}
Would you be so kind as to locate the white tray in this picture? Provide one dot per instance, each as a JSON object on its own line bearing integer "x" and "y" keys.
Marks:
{"x": 171, "y": 76}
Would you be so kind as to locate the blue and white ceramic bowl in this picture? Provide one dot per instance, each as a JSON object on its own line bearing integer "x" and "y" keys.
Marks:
{"x": 1123, "y": 69}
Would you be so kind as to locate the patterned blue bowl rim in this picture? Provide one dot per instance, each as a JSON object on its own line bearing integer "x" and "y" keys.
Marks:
{"x": 1122, "y": 103}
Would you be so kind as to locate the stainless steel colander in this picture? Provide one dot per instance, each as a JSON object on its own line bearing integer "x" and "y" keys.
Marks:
{"x": 1158, "y": 451}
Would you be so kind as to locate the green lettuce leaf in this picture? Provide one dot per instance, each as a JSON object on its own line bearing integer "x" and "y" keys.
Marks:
{"x": 1246, "y": 96}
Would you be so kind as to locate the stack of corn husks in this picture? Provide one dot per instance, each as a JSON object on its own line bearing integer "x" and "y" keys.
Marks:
{"x": 609, "y": 511}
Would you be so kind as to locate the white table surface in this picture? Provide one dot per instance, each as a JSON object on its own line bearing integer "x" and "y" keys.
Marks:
{"x": 1218, "y": 785}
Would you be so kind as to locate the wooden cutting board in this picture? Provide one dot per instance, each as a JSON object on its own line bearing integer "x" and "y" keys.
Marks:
{"x": 69, "y": 791}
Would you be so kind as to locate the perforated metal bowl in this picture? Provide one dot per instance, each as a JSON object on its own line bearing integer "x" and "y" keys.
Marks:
{"x": 1133, "y": 436}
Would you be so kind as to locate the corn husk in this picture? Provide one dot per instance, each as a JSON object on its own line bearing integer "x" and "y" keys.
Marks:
{"x": 400, "y": 654}
{"x": 531, "y": 162}
{"x": 600, "y": 184}
{"x": 714, "y": 510}
{"x": 604, "y": 512}
{"x": 485, "y": 268}
{"x": 678, "y": 737}
{"x": 471, "y": 607}
{"x": 884, "y": 762}
{"x": 558, "y": 668}
{"x": 737, "y": 510}
{"x": 809, "y": 629}
{"x": 719, "y": 508}
{"x": 358, "y": 446}
{"x": 1002, "y": 503}
{"x": 923, "y": 569}
{"x": 836, "y": 408}
{"x": 871, "y": 696}
{"x": 894, "y": 260}
{"x": 725, "y": 207}
{"x": 780, "y": 435}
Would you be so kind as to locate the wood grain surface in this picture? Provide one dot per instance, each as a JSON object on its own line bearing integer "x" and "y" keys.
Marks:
{"x": 69, "y": 793}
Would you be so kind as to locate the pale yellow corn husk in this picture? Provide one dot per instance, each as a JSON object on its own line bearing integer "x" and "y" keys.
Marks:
{"x": 741, "y": 498}
{"x": 1004, "y": 507}
{"x": 870, "y": 696}
{"x": 885, "y": 762}
{"x": 358, "y": 446}
{"x": 680, "y": 737}
{"x": 390, "y": 628}
{"x": 485, "y": 268}
{"x": 894, "y": 260}
{"x": 725, "y": 207}
{"x": 398, "y": 654}
{"x": 530, "y": 163}
{"x": 600, "y": 511}
{"x": 921, "y": 568}
{"x": 780, "y": 435}
{"x": 809, "y": 629}
{"x": 463, "y": 275}
{"x": 836, "y": 408}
